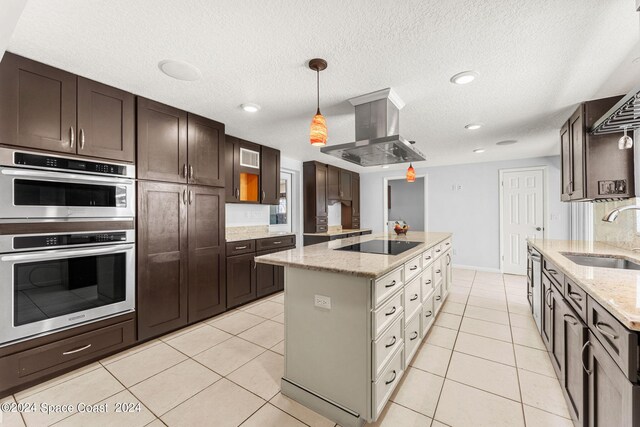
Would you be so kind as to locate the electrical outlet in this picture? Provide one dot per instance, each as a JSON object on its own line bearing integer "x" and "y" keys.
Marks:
{"x": 322, "y": 302}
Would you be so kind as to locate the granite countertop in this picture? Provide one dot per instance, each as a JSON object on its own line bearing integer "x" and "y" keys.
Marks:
{"x": 617, "y": 290}
{"x": 323, "y": 257}
{"x": 337, "y": 233}
{"x": 248, "y": 235}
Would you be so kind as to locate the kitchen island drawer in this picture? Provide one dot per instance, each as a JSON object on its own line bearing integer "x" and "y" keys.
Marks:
{"x": 576, "y": 297}
{"x": 241, "y": 247}
{"x": 556, "y": 276}
{"x": 446, "y": 245}
{"x": 387, "y": 285}
{"x": 412, "y": 300}
{"x": 437, "y": 250}
{"x": 275, "y": 242}
{"x": 412, "y": 337}
{"x": 428, "y": 316}
{"x": 427, "y": 257}
{"x": 387, "y": 314}
{"x": 385, "y": 346}
{"x": 427, "y": 282}
{"x": 412, "y": 268}
{"x": 386, "y": 384}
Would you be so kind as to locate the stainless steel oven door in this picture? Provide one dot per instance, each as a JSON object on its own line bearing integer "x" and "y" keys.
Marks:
{"x": 28, "y": 193}
{"x": 44, "y": 291}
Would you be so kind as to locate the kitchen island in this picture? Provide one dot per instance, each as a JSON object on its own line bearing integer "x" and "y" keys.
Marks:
{"x": 354, "y": 319}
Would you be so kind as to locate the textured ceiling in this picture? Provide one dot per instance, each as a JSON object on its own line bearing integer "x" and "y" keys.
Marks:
{"x": 536, "y": 60}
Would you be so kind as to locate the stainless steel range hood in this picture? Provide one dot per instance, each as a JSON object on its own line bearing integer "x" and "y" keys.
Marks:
{"x": 378, "y": 141}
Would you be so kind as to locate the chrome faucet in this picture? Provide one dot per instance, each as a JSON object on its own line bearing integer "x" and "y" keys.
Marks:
{"x": 613, "y": 215}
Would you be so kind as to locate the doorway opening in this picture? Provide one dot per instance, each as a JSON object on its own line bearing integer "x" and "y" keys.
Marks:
{"x": 281, "y": 215}
{"x": 405, "y": 201}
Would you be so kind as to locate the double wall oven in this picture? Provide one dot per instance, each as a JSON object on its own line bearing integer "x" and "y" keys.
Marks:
{"x": 67, "y": 242}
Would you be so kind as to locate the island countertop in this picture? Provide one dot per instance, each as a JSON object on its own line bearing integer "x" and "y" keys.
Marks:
{"x": 324, "y": 257}
{"x": 617, "y": 290}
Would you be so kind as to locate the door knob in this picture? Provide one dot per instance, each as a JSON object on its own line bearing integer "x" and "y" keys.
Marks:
{"x": 538, "y": 228}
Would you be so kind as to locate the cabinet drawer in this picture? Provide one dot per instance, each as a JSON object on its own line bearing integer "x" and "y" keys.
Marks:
{"x": 412, "y": 298}
{"x": 619, "y": 342}
{"x": 576, "y": 297}
{"x": 385, "y": 346}
{"x": 437, "y": 250}
{"x": 437, "y": 272}
{"x": 427, "y": 257}
{"x": 275, "y": 242}
{"x": 428, "y": 316}
{"x": 387, "y": 382}
{"x": 427, "y": 282}
{"x": 322, "y": 220}
{"x": 556, "y": 276}
{"x": 412, "y": 338}
{"x": 437, "y": 298}
{"x": 321, "y": 228}
{"x": 387, "y": 314}
{"x": 387, "y": 285}
{"x": 241, "y": 247}
{"x": 446, "y": 245}
{"x": 412, "y": 268}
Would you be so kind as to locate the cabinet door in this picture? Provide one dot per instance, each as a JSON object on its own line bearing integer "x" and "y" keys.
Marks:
{"x": 557, "y": 348}
{"x": 266, "y": 277}
{"x": 249, "y": 172}
{"x": 162, "y": 142}
{"x": 577, "y": 136}
{"x": 162, "y": 258}
{"x": 231, "y": 160}
{"x": 106, "y": 124}
{"x": 333, "y": 183}
{"x": 355, "y": 203}
{"x": 241, "y": 280}
{"x": 547, "y": 315}
{"x": 207, "y": 289}
{"x": 37, "y": 105}
{"x": 345, "y": 185}
{"x": 279, "y": 270}
{"x": 206, "y": 151}
{"x": 567, "y": 163}
{"x": 270, "y": 175}
{"x": 322, "y": 191}
{"x": 574, "y": 379}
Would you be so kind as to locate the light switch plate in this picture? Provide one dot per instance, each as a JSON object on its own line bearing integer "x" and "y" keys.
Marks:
{"x": 322, "y": 301}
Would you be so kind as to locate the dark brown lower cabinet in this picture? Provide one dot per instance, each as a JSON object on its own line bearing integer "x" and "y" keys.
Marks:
{"x": 574, "y": 378}
{"x": 556, "y": 303}
{"x": 241, "y": 279}
{"x": 269, "y": 278}
{"x": 547, "y": 315}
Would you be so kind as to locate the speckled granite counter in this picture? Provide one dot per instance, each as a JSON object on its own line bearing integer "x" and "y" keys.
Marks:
{"x": 235, "y": 237}
{"x": 323, "y": 257}
{"x": 338, "y": 232}
{"x": 617, "y": 290}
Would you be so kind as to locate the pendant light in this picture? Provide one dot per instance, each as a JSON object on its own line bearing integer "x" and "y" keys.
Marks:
{"x": 411, "y": 173}
{"x": 318, "y": 131}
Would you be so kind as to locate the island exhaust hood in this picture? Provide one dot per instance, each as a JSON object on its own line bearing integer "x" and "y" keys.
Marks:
{"x": 378, "y": 141}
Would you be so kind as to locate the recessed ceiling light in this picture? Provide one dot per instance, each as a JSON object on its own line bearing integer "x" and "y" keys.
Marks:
{"x": 506, "y": 142}
{"x": 479, "y": 150}
{"x": 464, "y": 77}
{"x": 473, "y": 126}
{"x": 180, "y": 70}
{"x": 250, "y": 108}
{"x": 385, "y": 166}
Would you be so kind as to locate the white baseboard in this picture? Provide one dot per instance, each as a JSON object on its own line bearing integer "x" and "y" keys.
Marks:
{"x": 471, "y": 267}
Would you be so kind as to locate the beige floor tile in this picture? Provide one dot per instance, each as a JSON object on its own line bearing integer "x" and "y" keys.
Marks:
{"x": 169, "y": 388}
{"x": 300, "y": 412}
{"x": 269, "y": 415}
{"x": 448, "y": 320}
{"x": 484, "y": 374}
{"x": 419, "y": 391}
{"x": 519, "y": 308}
{"x": 144, "y": 364}
{"x": 537, "y": 418}
{"x": 129, "y": 352}
{"x": 542, "y": 392}
{"x": 10, "y": 418}
{"x": 90, "y": 388}
{"x": 58, "y": 380}
{"x": 486, "y": 348}
{"x": 279, "y": 318}
{"x": 252, "y": 305}
{"x": 463, "y": 406}
{"x": 266, "y": 334}
{"x": 437, "y": 423}
{"x": 457, "y": 289}
{"x": 522, "y": 320}
{"x": 179, "y": 332}
{"x": 452, "y": 307}
{"x": 198, "y": 340}
{"x": 398, "y": 416}
{"x": 133, "y": 414}
{"x": 497, "y": 295}
{"x": 443, "y": 337}
{"x": 279, "y": 298}
{"x": 487, "y": 314}
{"x": 528, "y": 337}
{"x": 221, "y": 404}
{"x": 229, "y": 355}
{"x": 268, "y": 309}
{"x": 517, "y": 299}
{"x": 461, "y": 283}
{"x": 237, "y": 322}
{"x": 534, "y": 360}
{"x": 513, "y": 279}
{"x": 278, "y": 348}
{"x": 488, "y": 277}
{"x": 156, "y": 423}
{"x": 497, "y": 287}
{"x": 432, "y": 358}
{"x": 262, "y": 375}
{"x": 486, "y": 329}
{"x": 457, "y": 298}
{"x": 463, "y": 274}
{"x": 492, "y": 303}
{"x": 517, "y": 290}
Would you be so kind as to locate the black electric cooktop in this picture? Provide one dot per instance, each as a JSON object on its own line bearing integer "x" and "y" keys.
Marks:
{"x": 384, "y": 247}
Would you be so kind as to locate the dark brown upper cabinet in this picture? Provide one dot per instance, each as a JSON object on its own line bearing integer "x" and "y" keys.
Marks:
{"x": 205, "y": 152}
{"x": 333, "y": 184}
{"x": 593, "y": 168}
{"x": 45, "y": 108}
{"x": 351, "y": 212}
{"x": 231, "y": 159}
{"x": 314, "y": 182}
{"x": 346, "y": 192}
{"x": 270, "y": 175}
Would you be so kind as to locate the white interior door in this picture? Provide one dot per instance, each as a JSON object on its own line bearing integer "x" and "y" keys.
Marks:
{"x": 522, "y": 216}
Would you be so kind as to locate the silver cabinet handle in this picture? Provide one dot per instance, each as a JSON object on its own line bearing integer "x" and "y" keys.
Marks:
{"x": 428, "y": 282}
{"x": 438, "y": 250}
{"x": 538, "y": 228}
{"x": 81, "y": 138}
{"x": 77, "y": 350}
{"x": 415, "y": 267}
{"x": 438, "y": 298}
{"x": 276, "y": 243}
{"x": 392, "y": 343}
{"x": 393, "y": 310}
{"x": 575, "y": 296}
{"x": 413, "y": 337}
{"x": 438, "y": 271}
{"x": 184, "y": 196}
{"x": 237, "y": 193}
{"x": 395, "y": 374}
{"x": 64, "y": 253}
{"x": 588, "y": 343}
{"x": 391, "y": 285}
{"x": 190, "y": 197}
{"x": 448, "y": 259}
{"x": 427, "y": 257}
{"x": 428, "y": 313}
{"x": 354, "y": 210}
{"x": 237, "y": 248}
{"x": 191, "y": 172}
{"x": 603, "y": 332}
{"x": 552, "y": 271}
{"x": 264, "y": 195}
{"x": 573, "y": 321}
{"x": 72, "y": 137}
{"x": 535, "y": 257}
{"x": 184, "y": 170}
{"x": 415, "y": 297}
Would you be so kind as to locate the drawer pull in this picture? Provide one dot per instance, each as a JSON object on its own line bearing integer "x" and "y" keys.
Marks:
{"x": 391, "y": 285}
{"x": 438, "y": 298}
{"x": 392, "y": 343}
{"x": 414, "y": 335}
{"x": 395, "y": 374}
{"x": 603, "y": 332}
{"x": 448, "y": 243}
{"x": 276, "y": 243}
{"x": 77, "y": 350}
{"x": 438, "y": 271}
{"x": 438, "y": 250}
{"x": 240, "y": 247}
{"x": 415, "y": 267}
{"x": 573, "y": 321}
{"x": 552, "y": 271}
{"x": 428, "y": 282}
{"x": 428, "y": 313}
{"x": 415, "y": 297}
{"x": 588, "y": 343}
{"x": 575, "y": 296}
{"x": 427, "y": 257}
{"x": 393, "y": 310}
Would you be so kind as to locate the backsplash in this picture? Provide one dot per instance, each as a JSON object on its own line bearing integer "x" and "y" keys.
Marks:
{"x": 623, "y": 232}
{"x": 240, "y": 215}
{"x": 335, "y": 214}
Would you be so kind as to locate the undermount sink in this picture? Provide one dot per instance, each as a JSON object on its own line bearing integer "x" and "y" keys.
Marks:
{"x": 603, "y": 261}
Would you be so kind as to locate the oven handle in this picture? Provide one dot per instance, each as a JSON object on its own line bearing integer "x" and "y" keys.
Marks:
{"x": 61, "y": 175}
{"x": 56, "y": 254}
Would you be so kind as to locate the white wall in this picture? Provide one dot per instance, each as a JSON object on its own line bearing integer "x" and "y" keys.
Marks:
{"x": 10, "y": 11}
{"x": 407, "y": 202}
{"x": 472, "y": 214}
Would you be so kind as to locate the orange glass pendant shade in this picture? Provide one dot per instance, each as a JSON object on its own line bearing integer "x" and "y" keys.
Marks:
{"x": 411, "y": 173}
{"x": 318, "y": 132}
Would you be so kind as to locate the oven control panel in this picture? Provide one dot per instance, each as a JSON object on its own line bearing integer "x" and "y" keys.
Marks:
{"x": 72, "y": 165}
{"x": 47, "y": 241}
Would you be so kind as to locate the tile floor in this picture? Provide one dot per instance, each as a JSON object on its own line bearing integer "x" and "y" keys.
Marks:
{"x": 483, "y": 364}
